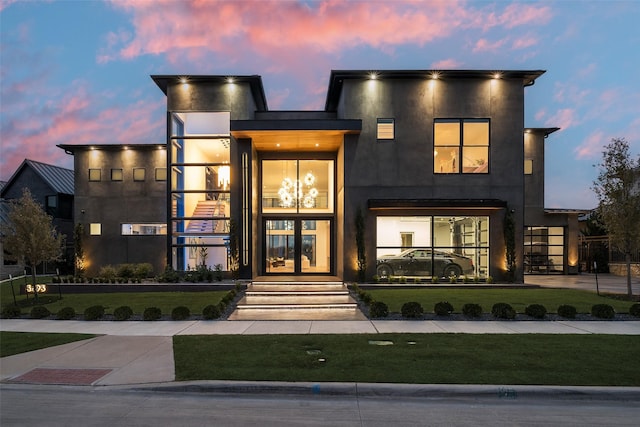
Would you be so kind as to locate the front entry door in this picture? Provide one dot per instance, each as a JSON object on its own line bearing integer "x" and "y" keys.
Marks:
{"x": 297, "y": 246}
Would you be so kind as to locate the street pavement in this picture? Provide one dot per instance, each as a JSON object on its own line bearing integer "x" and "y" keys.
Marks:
{"x": 138, "y": 354}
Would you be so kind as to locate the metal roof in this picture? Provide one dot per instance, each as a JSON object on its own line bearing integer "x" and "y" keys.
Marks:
{"x": 58, "y": 178}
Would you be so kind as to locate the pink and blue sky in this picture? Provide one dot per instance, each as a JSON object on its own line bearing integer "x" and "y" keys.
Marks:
{"x": 77, "y": 72}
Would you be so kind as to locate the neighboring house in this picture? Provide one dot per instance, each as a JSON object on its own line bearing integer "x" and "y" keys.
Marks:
{"x": 52, "y": 187}
{"x": 433, "y": 159}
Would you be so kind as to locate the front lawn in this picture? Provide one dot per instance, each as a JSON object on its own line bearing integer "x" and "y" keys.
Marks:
{"x": 20, "y": 342}
{"x": 598, "y": 360}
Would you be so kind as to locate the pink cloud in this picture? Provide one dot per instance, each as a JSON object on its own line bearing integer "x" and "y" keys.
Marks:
{"x": 77, "y": 118}
{"x": 524, "y": 42}
{"x": 591, "y": 147}
{"x": 484, "y": 45}
{"x": 445, "y": 64}
{"x": 563, "y": 118}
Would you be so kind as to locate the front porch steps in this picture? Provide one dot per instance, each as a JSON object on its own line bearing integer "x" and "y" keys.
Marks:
{"x": 295, "y": 300}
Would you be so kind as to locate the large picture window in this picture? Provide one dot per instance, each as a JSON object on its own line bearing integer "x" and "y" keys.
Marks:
{"x": 461, "y": 146}
{"x": 438, "y": 246}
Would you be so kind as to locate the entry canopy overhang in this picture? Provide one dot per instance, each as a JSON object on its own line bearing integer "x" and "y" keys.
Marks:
{"x": 296, "y": 135}
{"x": 389, "y": 204}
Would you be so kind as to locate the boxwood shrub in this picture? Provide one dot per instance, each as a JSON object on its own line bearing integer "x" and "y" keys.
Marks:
{"x": 211, "y": 312}
{"x": 567, "y": 311}
{"x": 11, "y": 312}
{"x": 443, "y": 308}
{"x": 537, "y": 311}
{"x": 634, "y": 310}
{"x": 472, "y": 310}
{"x": 603, "y": 311}
{"x": 152, "y": 313}
{"x": 40, "y": 312}
{"x": 502, "y": 310}
{"x": 378, "y": 309}
{"x": 122, "y": 313}
{"x": 66, "y": 313}
{"x": 180, "y": 313}
{"x": 412, "y": 310}
{"x": 95, "y": 312}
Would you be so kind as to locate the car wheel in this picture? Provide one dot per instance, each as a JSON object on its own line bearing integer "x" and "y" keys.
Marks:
{"x": 384, "y": 271}
{"x": 452, "y": 271}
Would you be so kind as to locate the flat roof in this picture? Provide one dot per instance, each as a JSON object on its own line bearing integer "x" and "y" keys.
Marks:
{"x": 338, "y": 77}
{"x": 255, "y": 82}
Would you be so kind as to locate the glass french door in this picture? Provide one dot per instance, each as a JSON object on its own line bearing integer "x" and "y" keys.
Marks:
{"x": 297, "y": 246}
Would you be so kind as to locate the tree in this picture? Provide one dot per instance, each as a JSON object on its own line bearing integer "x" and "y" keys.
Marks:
{"x": 618, "y": 191}
{"x": 360, "y": 245}
{"x": 29, "y": 235}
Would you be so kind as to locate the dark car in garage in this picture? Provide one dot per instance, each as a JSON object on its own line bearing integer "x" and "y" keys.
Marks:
{"x": 424, "y": 262}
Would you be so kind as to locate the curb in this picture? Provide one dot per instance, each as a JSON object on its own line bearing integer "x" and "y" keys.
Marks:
{"x": 424, "y": 391}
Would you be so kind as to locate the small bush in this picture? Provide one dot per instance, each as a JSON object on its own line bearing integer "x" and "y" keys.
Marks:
{"x": 567, "y": 311}
{"x": 603, "y": 311}
{"x": 489, "y": 279}
{"x": 211, "y": 312}
{"x": 11, "y": 312}
{"x": 108, "y": 272}
{"x": 122, "y": 313}
{"x": 472, "y": 310}
{"x": 378, "y": 309}
{"x": 366, "y": 298}
{"x": 537, "y": 311}
{"x": 435, "y": 279}
{"x": 152, "y": 313}
{"x": 502, "y": 310}
{"x": 634, "y": 310}
{"x": 142, "y": 270}
{"x": 169, "y": 276}
{"x": 443, "y": 308}
{"x": 180, "y": 313}
{"x": 95, "y": 312}
{"x": 39, "y": 312}
{"x": 66, "y": 313}
{"x": 412, "y": 310}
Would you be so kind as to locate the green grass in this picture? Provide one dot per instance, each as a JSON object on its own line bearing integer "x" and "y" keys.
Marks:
{"x": 138, "y": 301}
{"x": 486, "y": 297}
{"x": 604, "y": 360}
{"x": 20, "y": 342}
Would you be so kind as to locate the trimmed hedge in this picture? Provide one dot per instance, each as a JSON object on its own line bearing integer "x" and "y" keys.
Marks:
{"x": 66, "y": 313}
{"x": 537, "y": 311}
{"x": 122, "y": 313}
{"x": 39, "y": 312}
{"x": 443, "y": 308}
{"x": 211, "y": 312}
{"x": 180, "y": 313}
{"x": 412, "y": 310}
{"x": 502, "y": 310}
{"x": 567, "y": 311}
{"x": 472, "y": 310}
{"x": 378, "y": 309}
{"x": 152, "y": 313}
{"x": 95, "y": 312}
{"x": 11, "y": 312}
{"x": 634, "y": 310}
{"x": 603, "y": 311}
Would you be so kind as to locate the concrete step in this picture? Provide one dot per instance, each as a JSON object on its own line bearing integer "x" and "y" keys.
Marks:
{"x": 297, "y": 287}
{"x": 298, "y": 299}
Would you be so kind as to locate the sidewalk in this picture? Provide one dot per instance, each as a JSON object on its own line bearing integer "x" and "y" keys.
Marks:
{"x": 136, "y": 353}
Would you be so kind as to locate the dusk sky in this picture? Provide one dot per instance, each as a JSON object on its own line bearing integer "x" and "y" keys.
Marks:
{"x": 77, "y": 72}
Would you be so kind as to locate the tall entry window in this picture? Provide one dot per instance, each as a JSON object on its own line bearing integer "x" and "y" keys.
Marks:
{"x": 200, "y": 185}
{"x": 297, "y": 186}
{"x": 428, "y": 246}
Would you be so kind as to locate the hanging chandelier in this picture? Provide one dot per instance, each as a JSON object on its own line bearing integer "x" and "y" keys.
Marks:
{"x": 298, "y": 193}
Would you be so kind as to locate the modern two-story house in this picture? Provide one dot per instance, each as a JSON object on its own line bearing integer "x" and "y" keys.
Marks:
{"x": 433, "y": 161}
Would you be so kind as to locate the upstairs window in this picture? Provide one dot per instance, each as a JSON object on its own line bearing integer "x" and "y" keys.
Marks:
{"x": 95, "y": 175}
{"x": 386, "y": 129}
{"x": 528, "y": 166}
{"x": 138, "y": 174}
{"x": 461, "y": 146}
{"x": 116, "y": 175}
